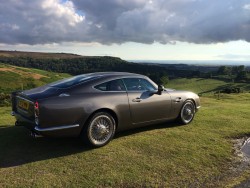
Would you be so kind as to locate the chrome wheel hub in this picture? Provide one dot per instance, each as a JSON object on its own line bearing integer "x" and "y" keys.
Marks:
{"x": 102, "y": 129}
{"x": 188, "y": 112}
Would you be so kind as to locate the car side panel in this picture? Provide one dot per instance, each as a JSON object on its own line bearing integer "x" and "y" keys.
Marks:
{"x": 76, "y": 109}
{"x": 148, "y": 107}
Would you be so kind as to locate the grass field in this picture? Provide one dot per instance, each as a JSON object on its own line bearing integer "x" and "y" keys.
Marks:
{"x": 15, "y": 78}
{"x": 205, "y": 87}
{"x": 197, "y": 155}
{"x": 165, "y": 155}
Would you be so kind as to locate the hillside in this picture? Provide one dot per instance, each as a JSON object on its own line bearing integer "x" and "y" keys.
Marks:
{"x": 85, "y": 64}
{"x": 14, "y": 77}
{"x": 25, "y": 70}
{"x": 38, "y": 55}
{"x": 19, "y": 78}
{"x": 207, "y": 86}
{"x": 166, "y": 155}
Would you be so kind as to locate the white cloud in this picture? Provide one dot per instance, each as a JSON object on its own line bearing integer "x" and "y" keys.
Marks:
{"x": 41, "y": 22}
{"x": 8, "y": 27}
{"x": 65, "y": 10}
{"x": 120, "y": 21}
{"x": 247, "y": 6}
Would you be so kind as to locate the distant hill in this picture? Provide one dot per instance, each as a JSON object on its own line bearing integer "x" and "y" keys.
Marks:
{"x": 38, "y": 55}
{"x": 76, "y": 64}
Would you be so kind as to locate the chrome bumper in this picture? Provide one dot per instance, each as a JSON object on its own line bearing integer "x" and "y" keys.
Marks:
{"x": 197, "y": 108}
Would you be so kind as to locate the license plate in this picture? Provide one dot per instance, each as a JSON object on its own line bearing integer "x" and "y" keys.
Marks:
{"x": 23, "y": 104}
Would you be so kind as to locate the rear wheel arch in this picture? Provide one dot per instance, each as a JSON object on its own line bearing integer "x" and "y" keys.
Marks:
{"x": 111, "y": 112}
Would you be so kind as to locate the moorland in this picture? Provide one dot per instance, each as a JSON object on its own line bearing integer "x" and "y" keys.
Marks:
{"x": 201, "y": 154}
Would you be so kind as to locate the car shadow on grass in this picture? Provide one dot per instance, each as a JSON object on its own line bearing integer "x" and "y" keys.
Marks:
{"x": 17, "y": 147}
{"x": 148, "y": 128}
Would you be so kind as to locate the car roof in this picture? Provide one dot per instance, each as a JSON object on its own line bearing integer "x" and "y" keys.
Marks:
{"x": 111, "y": 74}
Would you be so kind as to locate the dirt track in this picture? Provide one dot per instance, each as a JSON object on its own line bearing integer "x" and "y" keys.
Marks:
{"x": 24, "y": 73}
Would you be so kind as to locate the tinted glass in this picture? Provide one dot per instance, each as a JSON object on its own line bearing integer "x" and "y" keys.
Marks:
{"x": 114, "y": 85}
{"x": 69, "y": 82}
{"x": 138, "y": 84}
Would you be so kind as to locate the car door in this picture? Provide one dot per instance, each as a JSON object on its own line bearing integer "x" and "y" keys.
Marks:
{"x": 145, "y": 105}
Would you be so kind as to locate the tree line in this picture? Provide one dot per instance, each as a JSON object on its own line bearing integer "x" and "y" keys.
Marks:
{"x": 83, "y": 65}
{"x": 237, "y": 73}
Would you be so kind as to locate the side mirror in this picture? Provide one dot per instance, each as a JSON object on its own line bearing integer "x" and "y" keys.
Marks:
{"x": 160, "y": 89}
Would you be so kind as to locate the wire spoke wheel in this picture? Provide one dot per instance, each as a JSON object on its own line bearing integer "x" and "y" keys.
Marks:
{"x": 101, "y": 129}
{"x": 187, "y": 112}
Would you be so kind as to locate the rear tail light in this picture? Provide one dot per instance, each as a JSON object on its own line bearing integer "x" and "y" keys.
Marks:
{"x": 36, "y": 108}
{"x": 36, "y": 111}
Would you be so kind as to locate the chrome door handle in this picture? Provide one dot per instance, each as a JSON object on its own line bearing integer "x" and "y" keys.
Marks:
{"x": 137, "y": 99}
{"x": 178, "y": 99}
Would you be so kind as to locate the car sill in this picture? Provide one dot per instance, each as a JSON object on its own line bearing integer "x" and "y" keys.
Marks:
{"x": 56, "y": 128}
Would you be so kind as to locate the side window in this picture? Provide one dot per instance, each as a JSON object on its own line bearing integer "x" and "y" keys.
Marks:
{"x": 138, "y": 84}
{"x": 114, "y": 85}
{"x": 147, "y": 85}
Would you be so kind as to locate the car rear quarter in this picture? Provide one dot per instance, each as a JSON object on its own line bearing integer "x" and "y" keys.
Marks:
{"x": 51, "y": 111}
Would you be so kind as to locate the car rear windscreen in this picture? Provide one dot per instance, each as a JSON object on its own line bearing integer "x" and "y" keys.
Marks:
{"x": 69, "y": 82}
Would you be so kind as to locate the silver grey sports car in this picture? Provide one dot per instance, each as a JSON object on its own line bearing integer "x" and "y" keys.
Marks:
{"x": 97, "y": 105}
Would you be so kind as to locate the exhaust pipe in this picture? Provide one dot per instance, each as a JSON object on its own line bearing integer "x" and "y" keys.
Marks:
{"x": 35, "y": 135}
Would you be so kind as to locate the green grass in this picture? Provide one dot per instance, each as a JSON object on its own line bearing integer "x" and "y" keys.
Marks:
{"x": 21, "y": 77}
{"x": 203, "y": 86}
{"x": 166, "y": 155}
{"x": 198, "y": 155}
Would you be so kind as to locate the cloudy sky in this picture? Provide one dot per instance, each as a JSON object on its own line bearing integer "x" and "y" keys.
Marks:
{"x": 130, "y": 29}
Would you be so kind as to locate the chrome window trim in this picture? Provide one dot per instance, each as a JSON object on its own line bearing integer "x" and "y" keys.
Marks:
{"x": 55, "y": 128}
{"x": 124, "y": 77}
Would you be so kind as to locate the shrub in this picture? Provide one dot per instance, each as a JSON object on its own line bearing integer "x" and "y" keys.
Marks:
{"x": 229, "y": 90}
{"x": 5, "y": 99}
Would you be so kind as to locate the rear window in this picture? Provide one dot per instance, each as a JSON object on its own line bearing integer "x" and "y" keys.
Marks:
{"x": 69, "y": 82}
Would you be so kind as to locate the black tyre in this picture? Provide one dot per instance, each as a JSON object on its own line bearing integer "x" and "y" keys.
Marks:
{"x": 187, "y": 112}
{"x": 99, "y": 130}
